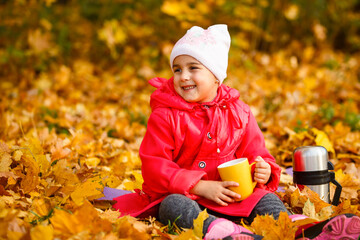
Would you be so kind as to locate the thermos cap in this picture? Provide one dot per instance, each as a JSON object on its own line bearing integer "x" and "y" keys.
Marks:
{"x": 310, "y": 158}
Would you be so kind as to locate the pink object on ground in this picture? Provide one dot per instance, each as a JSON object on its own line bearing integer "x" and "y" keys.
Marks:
{"x": 341, "y": 227}
{"x": 221, "y": 228}
{"x": 296, "y": 217}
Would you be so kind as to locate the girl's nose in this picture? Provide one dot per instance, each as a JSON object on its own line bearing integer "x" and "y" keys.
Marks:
{"x": 185, "y": 76}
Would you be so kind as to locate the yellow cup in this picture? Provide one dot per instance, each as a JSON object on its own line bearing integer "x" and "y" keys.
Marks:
{"x": 239, "y": 171}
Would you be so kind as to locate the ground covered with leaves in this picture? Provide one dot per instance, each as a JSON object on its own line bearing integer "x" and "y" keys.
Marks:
{"x": 71, "y": 121}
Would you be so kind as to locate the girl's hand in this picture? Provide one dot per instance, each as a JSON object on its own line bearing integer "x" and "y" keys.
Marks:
{"x": 262, "y": 171}
{"x": 216, "y": 191}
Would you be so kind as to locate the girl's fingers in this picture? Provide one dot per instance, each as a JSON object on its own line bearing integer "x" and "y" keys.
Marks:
{"x": 261, "y": 170}
{"x": 260, "y": 175}
{"x": 231, "y": 194}
{"x": 220, "y": 202}
{"x": 226, "y": 184}
{"x": 262, "y": 164}
{"x": 260, "y": 179}
{"x": 228, "y": 192}
{"x": 226, "y": 199}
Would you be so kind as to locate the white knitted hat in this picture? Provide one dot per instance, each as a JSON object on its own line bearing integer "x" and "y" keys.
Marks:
{"x": 210, "y": 47}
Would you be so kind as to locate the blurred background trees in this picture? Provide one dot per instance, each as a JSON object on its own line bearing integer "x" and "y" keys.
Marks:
{"x": 125, "y": 33}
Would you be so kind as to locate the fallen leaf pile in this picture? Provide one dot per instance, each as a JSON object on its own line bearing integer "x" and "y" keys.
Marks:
{"x": 71, "y": 128}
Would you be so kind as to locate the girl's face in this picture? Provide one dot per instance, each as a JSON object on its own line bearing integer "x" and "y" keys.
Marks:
{"x": 193, "y": 81}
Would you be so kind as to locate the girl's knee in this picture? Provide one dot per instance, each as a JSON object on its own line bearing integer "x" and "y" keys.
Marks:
{"x": 270, "y": 204}
{"x": 178, "y": 207}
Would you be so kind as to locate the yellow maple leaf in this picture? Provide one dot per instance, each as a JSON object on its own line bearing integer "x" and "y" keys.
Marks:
{"x": 32, "y": 149}
{"x": 199, "y": 223}
{"x": 31, "y": 178}
{"x": 297, "y": 199}
{"x": 323, "y": 140}
{"x": 136, "y": 183}
{"x": 44, "y": 232}
{"x": 41, "y": 207}
{"x": 90, "y": 189}
{"x": 110, "y": 215}
{"x": 65, "y": 223}
{"x": 63, "y": 175}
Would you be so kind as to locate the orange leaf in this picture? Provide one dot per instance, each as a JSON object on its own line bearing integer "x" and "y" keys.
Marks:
{"x": 85, "y": 218}
{"x": 58, "y": 151}
{"x": 267, "y": 226}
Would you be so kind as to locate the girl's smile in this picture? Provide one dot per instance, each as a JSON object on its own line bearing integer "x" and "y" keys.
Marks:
{"x": 193, "y": 81}
{"x": 188, "y": 87}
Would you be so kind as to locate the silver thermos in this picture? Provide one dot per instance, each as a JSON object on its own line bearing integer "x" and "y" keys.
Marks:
{"x": 311, "y": 168}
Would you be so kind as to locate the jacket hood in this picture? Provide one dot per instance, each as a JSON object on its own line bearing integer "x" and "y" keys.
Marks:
{"x": 166, "y": 96}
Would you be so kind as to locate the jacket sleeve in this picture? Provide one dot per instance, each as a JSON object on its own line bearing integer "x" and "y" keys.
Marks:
{"x": 253, "y": 145}
{"x": 161, "y": 174}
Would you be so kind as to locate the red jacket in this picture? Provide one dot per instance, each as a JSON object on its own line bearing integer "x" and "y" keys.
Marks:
{"x": 185, "y": 142}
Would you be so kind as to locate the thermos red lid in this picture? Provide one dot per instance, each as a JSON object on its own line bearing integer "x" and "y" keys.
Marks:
{"x": 310, "y": 158}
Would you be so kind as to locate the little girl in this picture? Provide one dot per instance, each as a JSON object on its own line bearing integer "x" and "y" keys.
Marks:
{"x": 197, "y": 123}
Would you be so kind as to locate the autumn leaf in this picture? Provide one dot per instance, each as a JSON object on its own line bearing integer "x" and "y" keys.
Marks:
{"x": 31, "y": 179}
{"x": 350, "y": 184}
{"x": 323, "y": 140}
{"x": 39, "y": 41}
{"x": 136, "y": 183}
{"x": 45, "y": 232}
{"x": 58, "y": 151}
{"x": 128, "y": 229}
{"x": 85, "y": 218}
{"x": 41, "y": 207}
{"x": 323, "y": 214}
{"x": 63, "y": 175}
{"x": 199, "y": 223}
{"x": 90, "y": 189}
{"x": 5, "y": 162}
{"x": 4, "y": 148}
{"x": 299, "y": 198}
{"x": 346, "y": 207}
{"x": 267, "y": 226}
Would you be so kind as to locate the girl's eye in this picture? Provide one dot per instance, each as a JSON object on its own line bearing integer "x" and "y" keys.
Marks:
{"x": 194, "y": 67}
{"x": 177, "y": 70}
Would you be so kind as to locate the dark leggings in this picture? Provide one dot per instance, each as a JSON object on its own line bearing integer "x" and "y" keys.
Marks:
{"x": 176, "y": 205}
